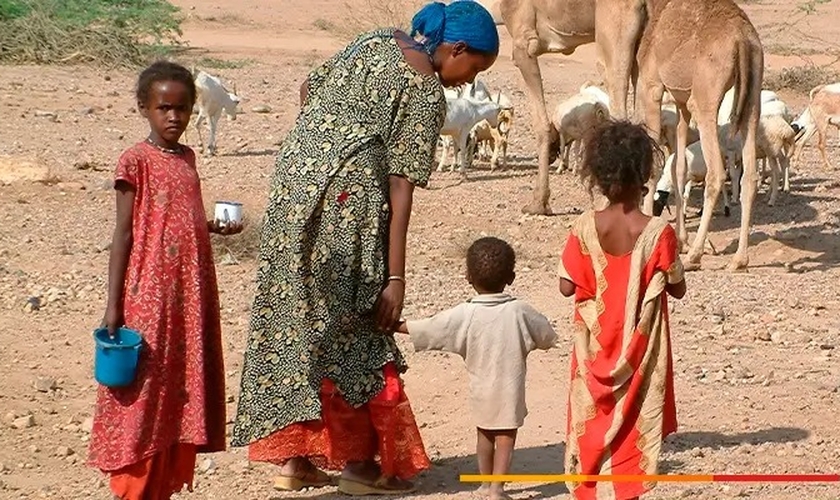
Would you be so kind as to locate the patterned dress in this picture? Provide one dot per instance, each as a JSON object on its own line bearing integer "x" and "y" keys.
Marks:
{"x": 621, "y": 396}
{"x": 171, "y": 298}
{"x": 323, "y": 256}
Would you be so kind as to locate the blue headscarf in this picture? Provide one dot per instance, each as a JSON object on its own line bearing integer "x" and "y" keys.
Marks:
{"x": 460, "y": 21}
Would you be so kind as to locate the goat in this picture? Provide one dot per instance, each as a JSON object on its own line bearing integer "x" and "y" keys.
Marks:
{"x": 461, "y": 116}
{"x": 823, "y": 110}
{"x": 212, "y": 98}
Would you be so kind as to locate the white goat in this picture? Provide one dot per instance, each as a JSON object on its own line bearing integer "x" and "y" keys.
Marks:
{"x": 212, "y": 98}
{"x": 823, "y": 110}
{"x": 696, "y": 175}
{"x": 573, "y": 118}
{"x": 483, "y": 135}
{"x": 462, "y": 115}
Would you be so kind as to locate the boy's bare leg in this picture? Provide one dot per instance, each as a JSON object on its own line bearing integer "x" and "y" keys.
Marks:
{"x": 505, "y": 443}
{"x": 485, "y": 450}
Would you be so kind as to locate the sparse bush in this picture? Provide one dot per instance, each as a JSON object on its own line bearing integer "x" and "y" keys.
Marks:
{"x": 102, "y": 32}
{"x": 800, "y": 78}
{"x": 374, "y": 14}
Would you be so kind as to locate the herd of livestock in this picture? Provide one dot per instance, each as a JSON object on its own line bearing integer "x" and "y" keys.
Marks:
{"x": 479, "y": 120}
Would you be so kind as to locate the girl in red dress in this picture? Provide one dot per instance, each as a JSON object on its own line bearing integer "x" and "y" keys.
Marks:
{"x": 620, "y": 265}
{"x": 162, "y": 283}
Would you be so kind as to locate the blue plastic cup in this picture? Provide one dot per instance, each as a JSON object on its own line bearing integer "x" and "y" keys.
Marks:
{"x": 115, "y": 362}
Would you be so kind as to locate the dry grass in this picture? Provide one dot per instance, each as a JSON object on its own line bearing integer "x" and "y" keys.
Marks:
{"x": 370, "y": 15}
{"x": 800, "y": 79}
{"x": 244, "y": 246}
{"x": 101, "y": 33}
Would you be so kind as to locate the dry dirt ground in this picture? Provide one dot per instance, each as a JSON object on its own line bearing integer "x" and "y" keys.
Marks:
{"x": 757, "y": 377}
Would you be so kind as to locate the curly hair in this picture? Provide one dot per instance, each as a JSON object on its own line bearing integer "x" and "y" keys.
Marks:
{"x": 164, "y": 71}
{"x": 619, "y": 158}
{"x": 490, "y": 263}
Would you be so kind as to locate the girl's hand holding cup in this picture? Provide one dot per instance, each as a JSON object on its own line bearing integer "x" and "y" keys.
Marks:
{"x": 227, "y": 219}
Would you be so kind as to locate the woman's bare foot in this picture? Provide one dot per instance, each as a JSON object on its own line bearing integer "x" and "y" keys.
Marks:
{"x": 368, "y": 477}
{"x": 298, "y": 473}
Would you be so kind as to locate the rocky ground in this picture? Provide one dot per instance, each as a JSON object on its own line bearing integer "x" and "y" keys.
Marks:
{"x": 757, "y": 378}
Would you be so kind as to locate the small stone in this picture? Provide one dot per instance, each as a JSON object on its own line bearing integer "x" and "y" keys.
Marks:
{"x": 230, "y": 398}
{"x": 776, "y": 337}
{"x": 826, "y": 347}
{"x": 70, "y": 186}
{"x": 34, "y": 449}
{"x": 764, "y": 336}
{"x": 208, "y": 466}
{"x": 64, "y": 451}
{"x": 45, "y": 384}
{"x": 87, "y": 425}
{"x": 32, "y": 304}
{"x": 24, "y": 422}
{"x": 261, "y": 109}
{"x": 719, "y": 376}
{"x": 9, "y": 418}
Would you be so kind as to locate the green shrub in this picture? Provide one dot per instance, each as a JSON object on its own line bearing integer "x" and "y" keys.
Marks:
{"x": 105, "y": 32}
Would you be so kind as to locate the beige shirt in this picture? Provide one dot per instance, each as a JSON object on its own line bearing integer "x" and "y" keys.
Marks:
{"x": 494, "y": 334}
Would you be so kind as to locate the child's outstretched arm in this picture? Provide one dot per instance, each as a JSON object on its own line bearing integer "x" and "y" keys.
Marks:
{"x": 445, "y": 331}
{"x": 120, "y": 251}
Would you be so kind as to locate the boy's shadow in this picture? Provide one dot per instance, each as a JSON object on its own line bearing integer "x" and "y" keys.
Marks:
{"x": 444, "y": 476}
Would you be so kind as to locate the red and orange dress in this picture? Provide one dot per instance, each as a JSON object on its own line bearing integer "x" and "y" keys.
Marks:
{"x": 621, "y": 395}
{"x": 146, "y": 436}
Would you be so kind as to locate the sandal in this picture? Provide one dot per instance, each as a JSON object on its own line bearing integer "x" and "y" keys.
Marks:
{"x": 311, "y": 479}
{"x": 382, "y": 486}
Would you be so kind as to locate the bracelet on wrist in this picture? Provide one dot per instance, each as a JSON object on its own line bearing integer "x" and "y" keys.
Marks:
{"x": 396, "y": 278}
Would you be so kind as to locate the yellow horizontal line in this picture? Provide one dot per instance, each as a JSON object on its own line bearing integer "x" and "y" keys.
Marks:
{"x": 580, "y": 478}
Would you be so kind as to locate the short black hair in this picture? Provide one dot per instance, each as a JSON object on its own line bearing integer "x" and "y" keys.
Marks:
{"x": 619, "y": 157}
{"x": 164, "y": 71}
{"x": 490, "y": 263}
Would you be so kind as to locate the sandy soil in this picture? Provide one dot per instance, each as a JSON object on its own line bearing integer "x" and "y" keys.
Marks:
{"x": 757, "y": 379}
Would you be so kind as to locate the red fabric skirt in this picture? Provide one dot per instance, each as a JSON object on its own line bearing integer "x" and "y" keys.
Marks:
{"x": 157, "y": 477}
{"x": 384, "y": 430}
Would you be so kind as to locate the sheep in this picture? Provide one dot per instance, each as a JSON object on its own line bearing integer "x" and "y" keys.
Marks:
{"x": 212, "y": 98}
{"x": 462, "y": 115}
{"x": 823, "y": 110}
{"x": 573, "y": 117}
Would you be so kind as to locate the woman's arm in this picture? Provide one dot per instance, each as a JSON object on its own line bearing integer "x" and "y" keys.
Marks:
{"x": 389, "y": 308}
{"x": 402, "y": 195}
{"x": 120, "y": 251}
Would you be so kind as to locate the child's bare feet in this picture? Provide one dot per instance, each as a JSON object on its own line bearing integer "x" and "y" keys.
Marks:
{"x": 497, "y": 492}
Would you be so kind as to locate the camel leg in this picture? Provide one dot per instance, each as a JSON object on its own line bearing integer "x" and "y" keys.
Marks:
{"x": 679, "y": 172}
{"x": 710, "y": 145}
{"x": 529, "y": 67}
{"x": 652, "y": 90}
{"x": 618, "y": 26}
{"x": 749, "y": 184}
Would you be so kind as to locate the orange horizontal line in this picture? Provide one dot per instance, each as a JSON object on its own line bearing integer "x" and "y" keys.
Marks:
{"x": 664, "y": 478}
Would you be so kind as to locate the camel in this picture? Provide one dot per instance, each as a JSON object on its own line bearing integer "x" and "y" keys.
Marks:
{"x": 560, "y": 26}
{"x": 697, "y": 50}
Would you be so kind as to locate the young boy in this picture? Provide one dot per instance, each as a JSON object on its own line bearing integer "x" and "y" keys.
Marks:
{"x": 493, "y": 332}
